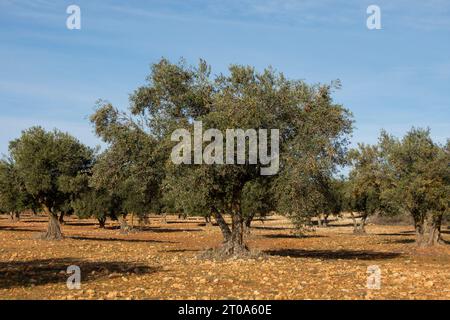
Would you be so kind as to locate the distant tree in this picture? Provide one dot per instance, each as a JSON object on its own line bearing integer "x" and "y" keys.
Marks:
{"x": 129, "y": 170}
{"x": 13, "y": 197}
{"x": 97, "y": 204}
{"x": 416, "y": 180}
{"x": 333, "y": 190}
{"x": 364, "y": 185}
{"x": 311, "y": 155}
{"x": 43, "y": 160}
{"x": 438, "y": 195}
{"x": 257, "y": 201}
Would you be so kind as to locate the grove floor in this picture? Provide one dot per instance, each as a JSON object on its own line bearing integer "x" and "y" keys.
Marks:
{"x": 161, "y": 262}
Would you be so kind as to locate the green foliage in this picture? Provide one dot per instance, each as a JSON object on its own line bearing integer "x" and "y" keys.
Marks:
{"x": 130, "y": 169}
{"x": 176, "y": 95}
{"x": 44, "y": 159}
{"x": 365, "y": 180}
{"x": 13, "y": 196}
{"x": 416, "y": 177}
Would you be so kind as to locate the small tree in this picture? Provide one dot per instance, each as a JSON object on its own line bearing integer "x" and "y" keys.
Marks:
{"x": 257, "y": 200}
{"x": 43, "y": 160}
{"x": 95, "y": 203}
{"x": 364, "y": 185}
{"x": 416, "y": 178}
{"x": 130, "y": 170}
{"x": 13, "y": 197}
{"x": 438, "y": 195}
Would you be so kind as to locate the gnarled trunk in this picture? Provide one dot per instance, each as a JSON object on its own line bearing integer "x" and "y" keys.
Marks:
{"x": 61, "y": 218}
{"x": 15, "y": 216}
{"x": 235, "y": 245}
{"x": 208, "y": 222}
{"x": 319, "y": 221}
{"x": 325, "y": 220}
{"x": 102, "y": 222}
{"x": 226, "y": 232}
{"x": 124, "y": 227}
{"x": 53, "y": 229}
{"x": 359, "y": 228}
{"x": 420, "y": 231}
{"x": 248, "y": 223}
{"x": 434, "y": 236}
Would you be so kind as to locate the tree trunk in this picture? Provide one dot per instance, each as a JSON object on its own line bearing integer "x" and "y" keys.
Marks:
{"x": 435, "y": 231}
{"x": 325, "y": 220}
{"x": 226, "y": 232}
{"x": 208, "y": 222}
{"x": 248, "y": 223}
{"x": 235, "y": 245}
{"x": 355, "y": 224}
{"x": 124, "y": 227}
{"x": 361, "y": 227}
{"x": 61, "y": 218}
{"x": 420, "y": 230}
{"x": 319, "y": 221}
{"x": 143, "y": 220}
{"x": 15, "y": 216}
{"x": 53, "y": 228}
{"x": 102, "y": 222}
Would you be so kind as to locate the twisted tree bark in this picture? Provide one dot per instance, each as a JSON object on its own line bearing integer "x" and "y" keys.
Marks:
{"x": 53, "y": 228}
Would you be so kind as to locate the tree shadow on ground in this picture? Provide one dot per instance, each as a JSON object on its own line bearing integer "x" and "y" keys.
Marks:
{"x": 292, "y": 236}
{"x": 333, "y": 225}
{"x": 333, "y": 255}
{"x": 404, "y": 241}
{"x": 400, "y": 234}
{"x": 180, "y": 250}
{"x": 271, "y": 228}
{"x": 183, "y": 221}
{"x": 48, "y": 271}
{"x": 10, "y": 228}
{"x": 203, "y": 224}
{"x": 167, "y": 230}
{"x": 118, "y": 239}
{"x": 34, "y": 220}
{"x": 80, "y": 224}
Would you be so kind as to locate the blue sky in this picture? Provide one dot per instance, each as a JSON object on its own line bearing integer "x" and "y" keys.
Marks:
{"x": 392, "y": 78}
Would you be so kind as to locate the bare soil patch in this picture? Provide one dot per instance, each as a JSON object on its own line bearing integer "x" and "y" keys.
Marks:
{"x": 161, "y": 262}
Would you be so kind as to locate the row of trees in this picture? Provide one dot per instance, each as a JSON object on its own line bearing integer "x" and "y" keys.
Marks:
{"x": 408, "y": 176}
{"x": 134, "y": 174}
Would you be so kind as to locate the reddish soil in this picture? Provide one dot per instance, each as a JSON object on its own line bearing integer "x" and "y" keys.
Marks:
{"x": 161, "y": 262}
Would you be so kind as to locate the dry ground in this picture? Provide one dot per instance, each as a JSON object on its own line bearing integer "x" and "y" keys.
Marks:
{"x": 161, "y": 262}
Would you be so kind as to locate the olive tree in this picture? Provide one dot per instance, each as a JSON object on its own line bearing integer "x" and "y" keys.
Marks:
{"x": 129, "y": 170}
{"x": 179, "y": 97}
{"x": 417, "y": 180}
{"x": 43, "y": 160}
{"x": 364, "y": 184}
{"x": 13, "y": 197}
